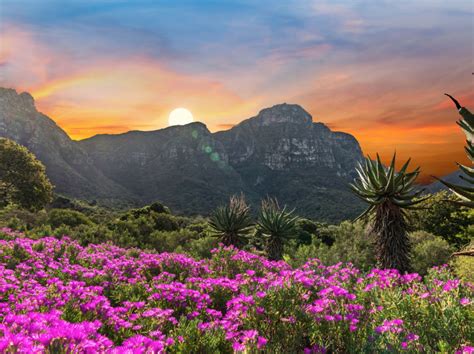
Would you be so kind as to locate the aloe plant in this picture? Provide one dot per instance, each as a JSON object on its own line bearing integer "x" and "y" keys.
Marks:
{"x": 389, "y": 194}
{"x": 232, "y": 223}
{"x": 275, "y": 225}
{"x": 465, "y": 193}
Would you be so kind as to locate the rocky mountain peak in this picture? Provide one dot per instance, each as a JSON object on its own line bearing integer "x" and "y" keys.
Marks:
{"x": 283, "y": 113}
{"x": 23, "y": 101}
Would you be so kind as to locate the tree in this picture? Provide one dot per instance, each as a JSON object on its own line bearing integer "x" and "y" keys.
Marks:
{"x": 389, "y": 194}
{"x": 465, "y": 193}
{"x": 232, "y": 223}
{"x": 440, "y": 216}
{"x": 23, "y": 179}
{"x": 275, "y": 225}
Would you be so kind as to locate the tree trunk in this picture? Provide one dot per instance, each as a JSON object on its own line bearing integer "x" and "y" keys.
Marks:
{"x": 274, "y": 249}
{"x": 391, "y": 237}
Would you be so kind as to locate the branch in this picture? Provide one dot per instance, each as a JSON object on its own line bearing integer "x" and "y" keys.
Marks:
{"x": 464, "y": 253}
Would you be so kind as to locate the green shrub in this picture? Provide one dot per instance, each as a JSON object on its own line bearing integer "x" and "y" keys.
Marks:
{"x": 199, "y": 248}
{"x": 428, "y": 251}
{"x": 168, "y": 241}
{"x": 20, "y": 219}
{"x": 308, "y": 229}
{"x": 72, "y": 218}
{"x": 464, "y": 265}
{"x": 444, "y": 219}
{"x": 165, "y": 222}
{"x": 351, "y": 244}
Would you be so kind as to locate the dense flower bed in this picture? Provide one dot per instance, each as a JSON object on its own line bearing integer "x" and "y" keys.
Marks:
{"x": 57, "y": 296}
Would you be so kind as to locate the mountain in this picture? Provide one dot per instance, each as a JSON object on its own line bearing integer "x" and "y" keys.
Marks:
{"x": 67, "y": 164}
{"x": 452, "y": 178}
{"x": 182, "y": 166}
{"x": 280, "y": 152}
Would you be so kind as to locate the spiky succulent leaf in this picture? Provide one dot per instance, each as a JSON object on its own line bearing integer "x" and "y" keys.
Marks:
{"x": 276, "y": 225}
{"x": 377, "y": 184}
{"x": 465, "y": 193}
{"x": 232, "y": 223}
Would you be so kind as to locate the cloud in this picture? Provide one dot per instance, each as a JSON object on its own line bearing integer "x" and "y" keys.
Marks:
{"x": 135, "y": 91}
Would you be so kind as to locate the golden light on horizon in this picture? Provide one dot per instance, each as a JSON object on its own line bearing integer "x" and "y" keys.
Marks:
{"x": 180, "y": 116}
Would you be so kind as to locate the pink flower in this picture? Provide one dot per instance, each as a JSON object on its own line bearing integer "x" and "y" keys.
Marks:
{"x": 261, "y": 342}
{"x": 238, "y": 347}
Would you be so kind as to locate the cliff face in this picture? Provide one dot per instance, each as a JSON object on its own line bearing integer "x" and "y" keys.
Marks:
{"x": 280, "y": 152}
{"x": 284, "y": 137}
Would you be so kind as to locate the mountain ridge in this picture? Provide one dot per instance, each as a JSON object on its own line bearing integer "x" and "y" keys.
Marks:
{"x": 279, "y": 152}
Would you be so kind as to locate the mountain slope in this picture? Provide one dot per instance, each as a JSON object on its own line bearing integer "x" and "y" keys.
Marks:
{"x": 451, "y": 178}
{"x": 280, "y": 152}
{"x": 182, "y": 166}
{"x": 67, "y": 165}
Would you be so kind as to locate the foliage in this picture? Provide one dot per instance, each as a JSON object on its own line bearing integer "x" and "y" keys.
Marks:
{"x": 308, "y": 229}
{"x": 438, "y": 215}
{"x": 232, "y": 223}
{"x": 148, "y": 210}
{"x": 72, "y": 218}
{"x": 112, "y": 299}
{"x": 388, "y": 194}
{"x": 23, "y": 179}
{"x": 465, "y": 193}
{"x": 464, "y": 265}
{"x": 350, "y": 244}
{"x": 428, "y": 251}
{"x": 276, "y": 225}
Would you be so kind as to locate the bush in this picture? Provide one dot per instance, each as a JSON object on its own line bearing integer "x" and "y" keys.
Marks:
{"x": 20, "y": 219}
{"x": 464, "y": 265}
{"x": 165, "y": 222}
{"x": 72, "y": 218}
{"x": 351, "y": 244}
{"x": 168, "y": 241}
{"x": 444, "y": 219}
{"x": 308, "y": 229}
{"x": 428, "y": 251}
{"x": 199, "y": 248}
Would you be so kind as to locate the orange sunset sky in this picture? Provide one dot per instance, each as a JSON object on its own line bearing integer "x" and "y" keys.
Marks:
{"x": 375, "y": 69}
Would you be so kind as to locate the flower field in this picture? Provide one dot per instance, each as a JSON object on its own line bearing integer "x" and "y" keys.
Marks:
{"x": 59, "y": 297}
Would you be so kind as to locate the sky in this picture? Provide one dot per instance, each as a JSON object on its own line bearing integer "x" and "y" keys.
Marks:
{"x": 375, "y": 69}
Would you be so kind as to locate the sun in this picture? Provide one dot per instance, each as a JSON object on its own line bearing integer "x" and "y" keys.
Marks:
{"x": 180, "y": 116}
